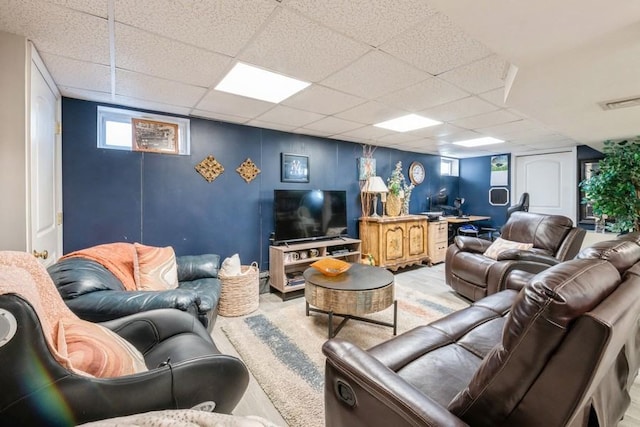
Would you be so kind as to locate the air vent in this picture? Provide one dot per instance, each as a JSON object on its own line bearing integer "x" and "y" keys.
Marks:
{"x": 621, "y": 103}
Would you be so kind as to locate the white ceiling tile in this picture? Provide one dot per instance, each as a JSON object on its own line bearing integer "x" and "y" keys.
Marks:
{"x": 438, "y": 130}
{"x": 273, "y": 126}
{"x": 436, "y": 46}
{"x": 295, "y": 46}
{"x": 333, "y": 125}
{"x": 372, "y": 22}
{"x": 223, "y": 26}
{"x": 470, "y": 106}
{"x": 370, "y": 113}
{"x": 460, "y": 136}
{"x": 425, "y": 94}
{"x": 486, "y": 120}
{"x": 233, "y": 105}
{"x": 94, "y": 7}
{"x": 152, "y": 89}
{"x": 397, "y": 138}
{"x": 373, "y": 75}
{"x": 343, "y": 137}
{"x": 480, "y": 76}
{"x": 289, "y": 116}
{"x": 78, "y": 74}
{"x": 218, "y": 116}
{"x": 495, "y": 96}
{"x": 366, "y": 133}
{"x": 322, "y": 100}
{"x": 503, "y": 131}
{"x": 87, "y": 95}
{"x": 57, "y": 30}
{"x": 143, "y": 52}
{"x": 151, "y": 105}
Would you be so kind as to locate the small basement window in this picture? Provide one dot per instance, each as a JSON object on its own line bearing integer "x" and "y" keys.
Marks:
{"x": 449, "y": 167}
{"x": 115, "y": 132}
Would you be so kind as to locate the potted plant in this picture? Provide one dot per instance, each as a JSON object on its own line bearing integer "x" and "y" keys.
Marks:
{"x": 614, "y": 191}
{"x": 399, "y": 192}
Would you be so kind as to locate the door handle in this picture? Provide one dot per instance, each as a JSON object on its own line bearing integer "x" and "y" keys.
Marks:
{"x": 44, "y": 254}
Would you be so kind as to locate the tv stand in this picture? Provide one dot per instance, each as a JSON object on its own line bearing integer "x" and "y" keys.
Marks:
{"x": 285, "y": 272}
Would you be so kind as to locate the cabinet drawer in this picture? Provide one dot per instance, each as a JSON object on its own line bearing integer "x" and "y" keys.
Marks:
{"x": 439, "y": 253}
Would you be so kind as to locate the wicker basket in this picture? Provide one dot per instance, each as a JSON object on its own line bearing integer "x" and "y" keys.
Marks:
{"x": 239, "y": 294}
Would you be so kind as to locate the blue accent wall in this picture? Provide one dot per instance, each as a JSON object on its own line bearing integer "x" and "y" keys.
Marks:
{"x": 475, "y": 183}
{"x": 160, "y": 199}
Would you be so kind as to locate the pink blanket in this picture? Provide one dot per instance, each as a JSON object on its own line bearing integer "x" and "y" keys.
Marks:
{"x": 118, "y": 258}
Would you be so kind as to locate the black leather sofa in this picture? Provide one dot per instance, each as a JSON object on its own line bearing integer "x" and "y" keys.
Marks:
{"x": 562, "y": 351}
{"x": 94, "y": 293}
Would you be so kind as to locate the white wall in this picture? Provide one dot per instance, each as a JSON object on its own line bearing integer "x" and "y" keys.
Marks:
{"x": 13, "y": 190}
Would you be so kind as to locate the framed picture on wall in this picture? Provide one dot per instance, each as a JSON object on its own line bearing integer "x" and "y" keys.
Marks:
{"x": 366, "y": 168}
{"x": 294, "y": 168}
{"x": 155, "y": 137}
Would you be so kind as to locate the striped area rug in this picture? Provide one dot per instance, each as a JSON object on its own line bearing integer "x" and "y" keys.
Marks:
{"x": 282, "y": 346}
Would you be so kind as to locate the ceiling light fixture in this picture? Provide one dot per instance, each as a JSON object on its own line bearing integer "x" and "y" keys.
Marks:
{"x": 407, "y": 123}
{"x": 477, "y": 142}
{"x": 253, "y": 82}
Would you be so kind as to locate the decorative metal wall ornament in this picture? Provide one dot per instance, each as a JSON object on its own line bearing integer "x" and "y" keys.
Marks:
{"x": 209, "y": 168}
{"x": 248, "y": 170}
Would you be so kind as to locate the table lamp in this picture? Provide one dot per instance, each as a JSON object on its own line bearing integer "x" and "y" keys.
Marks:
{"x": 376, "y": 185}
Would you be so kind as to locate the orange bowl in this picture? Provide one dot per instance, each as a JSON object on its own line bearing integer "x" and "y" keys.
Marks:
{"x": 331, "y": 266}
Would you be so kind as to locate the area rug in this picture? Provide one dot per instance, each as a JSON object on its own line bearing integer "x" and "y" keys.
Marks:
{"x": 282, "y": 347}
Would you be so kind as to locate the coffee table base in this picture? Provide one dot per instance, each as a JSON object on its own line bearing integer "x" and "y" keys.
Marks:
{"x": 333, "y": 332}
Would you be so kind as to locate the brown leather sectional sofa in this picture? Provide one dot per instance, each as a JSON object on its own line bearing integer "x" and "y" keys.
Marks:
{"x": 562, "y": 351}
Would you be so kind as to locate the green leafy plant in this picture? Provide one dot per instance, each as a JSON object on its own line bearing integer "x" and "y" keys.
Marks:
{"x": 396, "y": 182}
{"x": 614, "y": 191}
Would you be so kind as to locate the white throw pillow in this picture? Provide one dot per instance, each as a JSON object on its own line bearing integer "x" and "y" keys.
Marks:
{"x": 500, "y": 245}
{"x": 231, "y": 266}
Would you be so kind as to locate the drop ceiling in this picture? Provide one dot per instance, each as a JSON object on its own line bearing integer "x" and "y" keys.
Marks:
{"x": 534, "y": 74}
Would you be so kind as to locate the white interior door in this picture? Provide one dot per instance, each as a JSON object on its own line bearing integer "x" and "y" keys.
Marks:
{"x": 550, "y": 179}
{"x": 45, "y": 175}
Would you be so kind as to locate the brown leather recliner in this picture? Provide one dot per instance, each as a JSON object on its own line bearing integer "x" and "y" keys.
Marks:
{"x": 474, "y": 276}
{"x": 561, "y": 352}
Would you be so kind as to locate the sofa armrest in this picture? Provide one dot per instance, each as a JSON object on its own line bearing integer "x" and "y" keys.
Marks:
{"x": 107, "y": 305}
{"x": 471, "y": 244}
{"x": 352, "y": 375}
{"x": 146, "y": 329}
{"x": 530, "y": 256}
{"x": 193, "y": 267}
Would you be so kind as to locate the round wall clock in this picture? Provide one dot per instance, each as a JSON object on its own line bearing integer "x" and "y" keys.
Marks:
{"x": 416, "y": 173}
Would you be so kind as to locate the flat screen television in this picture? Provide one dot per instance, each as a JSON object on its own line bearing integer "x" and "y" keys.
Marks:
{"x": 301, "y": 215}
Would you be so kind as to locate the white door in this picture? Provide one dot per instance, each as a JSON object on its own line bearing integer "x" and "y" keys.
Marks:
{"x": 45, "y": 175}
{"x": 550, "y": 179}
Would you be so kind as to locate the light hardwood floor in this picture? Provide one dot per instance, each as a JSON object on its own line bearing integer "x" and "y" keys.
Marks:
{"x": 256, "y": 402}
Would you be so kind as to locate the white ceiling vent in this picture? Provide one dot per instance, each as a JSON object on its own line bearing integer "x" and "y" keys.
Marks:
{"x": 620, "y": 103}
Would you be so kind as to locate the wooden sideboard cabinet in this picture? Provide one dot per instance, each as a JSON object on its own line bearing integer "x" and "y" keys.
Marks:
{"x": 438, "y": 241}
{"x": 395, "y": 242}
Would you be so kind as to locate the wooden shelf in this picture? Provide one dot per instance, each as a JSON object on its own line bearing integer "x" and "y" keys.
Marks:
{"x": 281, "y": 265}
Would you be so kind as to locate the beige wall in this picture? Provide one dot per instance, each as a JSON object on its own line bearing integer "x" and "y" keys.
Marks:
{"x": 13, "y": 191}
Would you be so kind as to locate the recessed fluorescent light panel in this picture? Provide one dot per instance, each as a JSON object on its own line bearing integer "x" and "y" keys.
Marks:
{"x": 477, "y": 142}
{"x": 407, "y": 123}
{"x": 257, "y": 83}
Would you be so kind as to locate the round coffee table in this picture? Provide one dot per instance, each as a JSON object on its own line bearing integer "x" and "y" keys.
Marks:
{"x": 363, "y": 289}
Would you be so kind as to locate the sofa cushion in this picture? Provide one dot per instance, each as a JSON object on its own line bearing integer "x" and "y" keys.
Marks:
{"x": 500, "y": 245}
{"x": 95, "y": 350}
{"x": 155, "y": 268}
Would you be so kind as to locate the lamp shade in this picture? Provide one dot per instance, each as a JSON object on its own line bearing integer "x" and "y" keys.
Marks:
{"x": 375, "y": 184}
